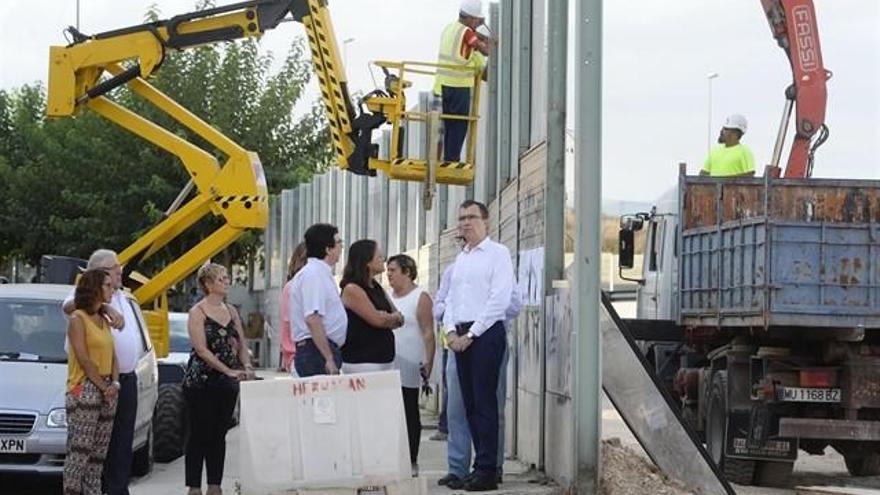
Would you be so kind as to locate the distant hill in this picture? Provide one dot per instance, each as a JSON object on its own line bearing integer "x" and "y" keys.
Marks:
{"x": 617, "y": 207}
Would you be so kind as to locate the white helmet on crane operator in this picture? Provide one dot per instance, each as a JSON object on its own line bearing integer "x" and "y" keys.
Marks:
{"x": 736, "y": 121}
{"x": 473, "y": 8}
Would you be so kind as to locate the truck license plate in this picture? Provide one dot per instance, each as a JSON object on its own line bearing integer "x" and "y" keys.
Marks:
{"x": 797, "y": 394}
{"x": 12, "y": 445}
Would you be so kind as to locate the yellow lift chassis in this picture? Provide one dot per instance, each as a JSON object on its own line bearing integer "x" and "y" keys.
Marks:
{"x": 83, "y": 72}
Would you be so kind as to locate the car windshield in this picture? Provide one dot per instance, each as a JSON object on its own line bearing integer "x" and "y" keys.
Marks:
{"x": 32, "y": 330}
{"x": 179, "y": 338}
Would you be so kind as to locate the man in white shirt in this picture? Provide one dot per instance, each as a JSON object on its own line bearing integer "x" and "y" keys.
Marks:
{"x": 453, "y": 415}
{"x": 480, "y": 292}
{"x": 317, "y": 317}
{"x": 128, "y": 348}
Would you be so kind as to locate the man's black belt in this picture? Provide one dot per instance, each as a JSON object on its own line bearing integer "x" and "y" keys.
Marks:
{"x": 308, "y": 340}
{"x": 463, "y": 328}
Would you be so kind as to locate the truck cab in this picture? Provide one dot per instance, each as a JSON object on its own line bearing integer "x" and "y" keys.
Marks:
{"x": 657, "y": 289}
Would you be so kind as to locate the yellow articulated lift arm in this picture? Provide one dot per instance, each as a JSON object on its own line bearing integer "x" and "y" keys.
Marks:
{"x": 83, "y": 72}
{"x": 352, "y": 133}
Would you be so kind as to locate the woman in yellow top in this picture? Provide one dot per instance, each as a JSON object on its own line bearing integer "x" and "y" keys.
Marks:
{"x": 92, "y": 385}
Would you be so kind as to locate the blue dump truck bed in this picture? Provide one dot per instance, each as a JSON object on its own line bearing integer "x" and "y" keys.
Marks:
{"x": 764, "y": 253}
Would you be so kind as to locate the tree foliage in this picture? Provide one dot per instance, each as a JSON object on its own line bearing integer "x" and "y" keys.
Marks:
{"x": 68, "y": 186}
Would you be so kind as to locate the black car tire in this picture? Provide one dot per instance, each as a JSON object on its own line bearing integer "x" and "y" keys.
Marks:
{"x": 863, "y": 465}
{"x": 170, "y": 426}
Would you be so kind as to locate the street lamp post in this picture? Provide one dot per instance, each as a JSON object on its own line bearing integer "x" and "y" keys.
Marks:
{"x": 711, "y": 76}
{"x": 345, "y": 43}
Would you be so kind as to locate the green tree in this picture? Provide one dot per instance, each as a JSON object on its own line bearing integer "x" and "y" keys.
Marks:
{"x": 71, "y": 185}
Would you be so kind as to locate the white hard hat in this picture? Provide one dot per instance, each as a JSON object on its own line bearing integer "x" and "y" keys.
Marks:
{"x": 473, "y": 8}
{"x": 736, "y": 121}
{"x": 483, "y": 30}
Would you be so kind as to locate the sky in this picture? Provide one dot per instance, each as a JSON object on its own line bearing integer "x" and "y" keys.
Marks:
{"x": 657, "y": 55}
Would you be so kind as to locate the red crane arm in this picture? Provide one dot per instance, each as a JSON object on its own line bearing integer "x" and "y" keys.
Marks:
{"x": 793, "y": 24}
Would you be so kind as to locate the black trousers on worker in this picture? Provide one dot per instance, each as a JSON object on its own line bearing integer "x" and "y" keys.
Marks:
{"x": 413, "y": 421}
{"x": 210, "y": 416}
{"x": 456, "y": 101}
{"x": 478, "y": 374}
{"x": 117, "y": 464}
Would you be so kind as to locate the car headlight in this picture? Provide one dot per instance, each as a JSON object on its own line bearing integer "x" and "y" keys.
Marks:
{"x": 57, "y": 418}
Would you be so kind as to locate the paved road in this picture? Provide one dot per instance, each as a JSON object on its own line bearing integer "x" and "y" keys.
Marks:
{"x": 167, "y": 479}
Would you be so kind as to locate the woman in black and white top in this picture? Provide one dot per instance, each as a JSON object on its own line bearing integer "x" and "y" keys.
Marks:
{"x": 369, "y": 344}
{"x": 219, "y": 360}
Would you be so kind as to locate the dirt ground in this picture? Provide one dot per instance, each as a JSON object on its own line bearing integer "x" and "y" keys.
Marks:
{"x": 626, "y": 472}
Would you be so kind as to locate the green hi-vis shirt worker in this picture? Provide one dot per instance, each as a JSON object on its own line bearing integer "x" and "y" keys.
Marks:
{"x": 731, "y": 158}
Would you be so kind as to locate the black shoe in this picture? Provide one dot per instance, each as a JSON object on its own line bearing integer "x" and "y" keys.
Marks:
{"x": 470, "y": 477}
{"x": 455, "y": 484}
{"x": 481, "y": 483}
{"x": 444, "y": 481}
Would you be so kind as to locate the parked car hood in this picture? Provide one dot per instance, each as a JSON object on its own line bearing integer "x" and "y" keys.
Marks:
{"x": 181, "y": 358}
{"x": 32, "y": 386}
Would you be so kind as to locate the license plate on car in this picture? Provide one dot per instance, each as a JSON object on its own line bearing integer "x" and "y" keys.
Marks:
{"x": 798, "y": 394}
{"x": 12, "y": 445}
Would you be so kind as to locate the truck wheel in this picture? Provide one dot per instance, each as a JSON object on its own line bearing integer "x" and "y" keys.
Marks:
{"x": 735, "y": 470}
{"x": 691, "y": 417}
{"x": 773, "y": 473}
{"x": 169, "y": 423}
{"x": 863, "y": 465}
{"x": 142, "y": 460}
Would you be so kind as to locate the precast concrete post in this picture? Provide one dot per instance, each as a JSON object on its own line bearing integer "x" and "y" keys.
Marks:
{"x": 524, "y": 82}
{"x": 588, "y": 236}
{"x": 554, "y": 183}
{"x": 505, "y": 75}
{"x": 490, "y": 120}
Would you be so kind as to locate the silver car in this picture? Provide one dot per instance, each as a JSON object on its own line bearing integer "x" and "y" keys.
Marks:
{"x": 33, "y": 375}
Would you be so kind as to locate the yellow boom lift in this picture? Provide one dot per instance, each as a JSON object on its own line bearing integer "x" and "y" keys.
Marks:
{"x": 83, "y": 72}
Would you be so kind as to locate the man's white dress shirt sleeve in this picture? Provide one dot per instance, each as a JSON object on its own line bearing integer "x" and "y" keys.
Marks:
{"x": 500, "y": 287}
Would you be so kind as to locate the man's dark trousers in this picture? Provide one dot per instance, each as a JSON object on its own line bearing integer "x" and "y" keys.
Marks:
{"x": 456, "y": 101}
{"x": 478, "y": 374}
{"x": 117, "y": 466}
{"x": 442, "y": 423}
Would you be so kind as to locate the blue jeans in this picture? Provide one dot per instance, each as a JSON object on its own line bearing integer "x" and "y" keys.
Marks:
{"x": 459, "y": 441}
{"x": 308, "y": 360}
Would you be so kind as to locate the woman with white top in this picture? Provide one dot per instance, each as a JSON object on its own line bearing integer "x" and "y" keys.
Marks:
{"x": 413, "y": 343}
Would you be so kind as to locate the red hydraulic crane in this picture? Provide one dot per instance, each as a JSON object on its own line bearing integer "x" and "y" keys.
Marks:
{"x": 793, "y": 24}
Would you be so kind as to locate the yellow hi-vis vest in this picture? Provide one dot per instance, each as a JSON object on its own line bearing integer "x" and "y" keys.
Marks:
{"x": 450, "y": 54}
